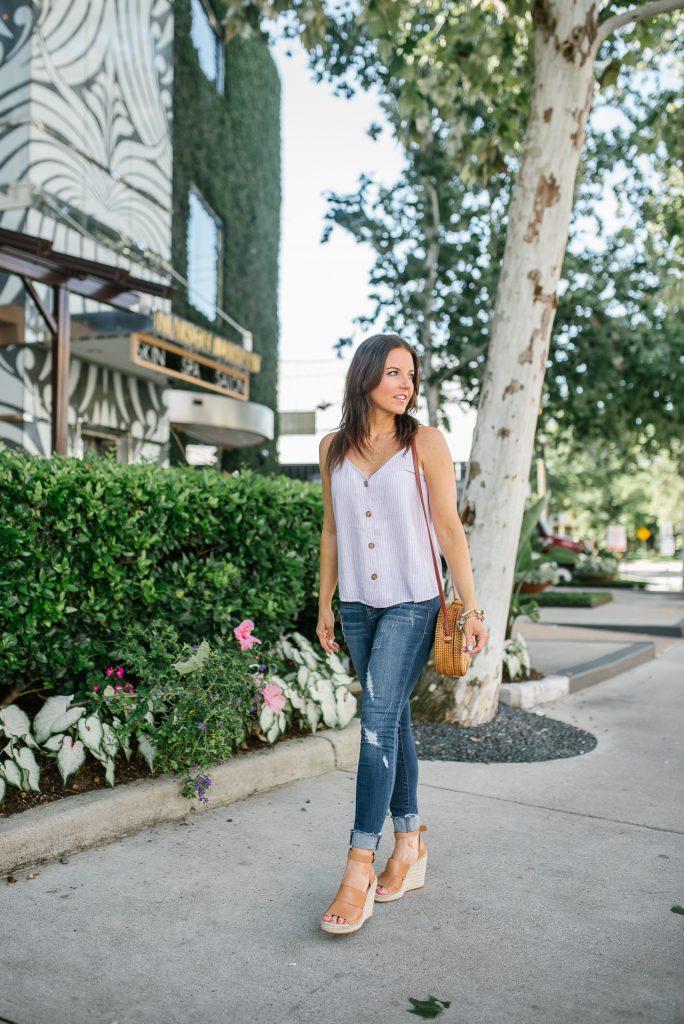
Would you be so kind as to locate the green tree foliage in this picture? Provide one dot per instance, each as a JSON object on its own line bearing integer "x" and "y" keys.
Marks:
{"x": 437, "y": 250}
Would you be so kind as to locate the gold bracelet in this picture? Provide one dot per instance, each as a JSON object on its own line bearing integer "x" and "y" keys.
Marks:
{"x": 471, "y": 613}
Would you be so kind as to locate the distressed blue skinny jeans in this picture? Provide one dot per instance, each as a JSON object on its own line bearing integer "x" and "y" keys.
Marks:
{"x": 389, "y": 648}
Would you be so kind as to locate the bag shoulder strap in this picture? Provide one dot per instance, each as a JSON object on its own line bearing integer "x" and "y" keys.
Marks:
{"x": 438, "y": 574}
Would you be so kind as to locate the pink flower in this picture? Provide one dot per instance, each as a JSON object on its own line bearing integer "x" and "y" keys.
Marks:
{"x": 242, "y": 633}
{"x": 120, "y": 673}
{"x": 273, "y": 697}
{"x": 109, "y": 671}
{"x": 117, "y": 688}
{"x": 96, "y": 688}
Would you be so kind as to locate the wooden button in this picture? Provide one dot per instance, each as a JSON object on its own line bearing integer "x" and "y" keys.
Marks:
{"x": 374, "y": 575}
{"x": 368, "y": 513}
{"x": 371, "y": 545}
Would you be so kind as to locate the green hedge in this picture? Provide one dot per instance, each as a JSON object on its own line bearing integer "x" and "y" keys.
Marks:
{"x": 88, "y": 547}
{"x": 573, "y": 599}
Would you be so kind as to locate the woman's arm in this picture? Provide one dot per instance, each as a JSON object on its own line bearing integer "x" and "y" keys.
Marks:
{"x": 435, "y": 457}
{"x": 325, "y": 629}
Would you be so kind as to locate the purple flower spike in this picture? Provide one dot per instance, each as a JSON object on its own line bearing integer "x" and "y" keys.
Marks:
{"x": 202, "y": 726}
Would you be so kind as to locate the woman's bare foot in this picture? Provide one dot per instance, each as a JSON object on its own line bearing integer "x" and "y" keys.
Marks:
{"x": 405, "y": 849}
{"x": 356, "y": 874}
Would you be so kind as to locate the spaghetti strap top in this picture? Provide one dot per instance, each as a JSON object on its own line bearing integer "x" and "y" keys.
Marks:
{"x": 383, "y": 551}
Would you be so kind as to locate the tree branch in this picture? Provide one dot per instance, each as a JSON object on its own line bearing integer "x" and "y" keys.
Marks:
{"x": 649, "y": 10}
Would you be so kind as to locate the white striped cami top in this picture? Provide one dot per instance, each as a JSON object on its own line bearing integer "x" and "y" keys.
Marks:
{"x": 383, "y": 551}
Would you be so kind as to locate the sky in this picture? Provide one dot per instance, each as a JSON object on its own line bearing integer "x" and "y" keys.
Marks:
{"x": 325, "y": 147}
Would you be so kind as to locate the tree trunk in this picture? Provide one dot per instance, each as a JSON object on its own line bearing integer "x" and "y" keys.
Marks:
{"x": 539, "y": 216}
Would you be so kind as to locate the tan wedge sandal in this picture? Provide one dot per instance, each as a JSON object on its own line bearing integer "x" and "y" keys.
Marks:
{"x": 399, "y": 876}
{"x": 354, "y": 904}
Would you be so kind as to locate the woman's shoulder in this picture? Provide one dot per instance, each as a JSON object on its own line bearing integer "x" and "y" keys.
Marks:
{"x": 326, "y": 441}
{"x": 323, "y": 449}
{"x": 429, "y": 438}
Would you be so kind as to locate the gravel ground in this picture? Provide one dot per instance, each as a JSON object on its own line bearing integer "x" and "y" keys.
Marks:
{"x": 512, "y": 735}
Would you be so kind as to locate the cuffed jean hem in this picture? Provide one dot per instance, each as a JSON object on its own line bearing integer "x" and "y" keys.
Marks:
{"x": 406, "y": 822}
{"x": 365, "y": 840}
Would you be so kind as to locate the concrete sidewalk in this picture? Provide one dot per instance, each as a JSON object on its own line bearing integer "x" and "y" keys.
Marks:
{"x": 631, "y": 611}
{"x": 547, "y": 900}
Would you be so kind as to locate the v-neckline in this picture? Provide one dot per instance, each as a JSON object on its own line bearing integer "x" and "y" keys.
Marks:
{"x": 378, "y": 470}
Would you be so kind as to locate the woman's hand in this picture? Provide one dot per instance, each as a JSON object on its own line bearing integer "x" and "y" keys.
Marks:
{"x": 325, "y": 631}
{"x": 475, "y": 636}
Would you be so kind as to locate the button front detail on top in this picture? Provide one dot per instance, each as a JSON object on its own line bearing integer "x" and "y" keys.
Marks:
{"x": 371, "y": 545}
{"x": 365, "y": 483}
{"x": 368, "y": 513}
{"x": 374, "y": 575}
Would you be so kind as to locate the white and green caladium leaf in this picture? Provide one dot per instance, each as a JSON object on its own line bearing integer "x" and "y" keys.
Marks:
{"x": 30, "y": 770}
{"x": 266, "y": 719}
{"x": 313, "y": 714}
{"x": 296, "y": 699}
{"x": 54, "y": 742}
{"x": 329, "y": 713}
{"x": 55, "y": 716}
{"x": 110, "y": 743}
{"x": 109, "y": 771}
{"x": 346, "y": 706}
{"x": 15, "y": 722}
{"x": 3, "y": 789}
{"x": 194, "y": 661}
{"x": 70, "y": 756}
{"x": 336, "y": 665}
{"x": 273, "y": 733}
{"x": 286, "y": 648}
{"x": 303, "y": 676}
{"x": 90, "y": 731}
{"x": 147, "y": 749}
{"x": 11, "y": 773}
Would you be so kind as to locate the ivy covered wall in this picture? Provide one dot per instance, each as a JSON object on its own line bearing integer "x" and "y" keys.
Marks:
{"x": 228, "y": 147}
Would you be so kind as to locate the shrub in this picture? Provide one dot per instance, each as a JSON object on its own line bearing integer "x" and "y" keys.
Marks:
{"x": 90, "y": 546}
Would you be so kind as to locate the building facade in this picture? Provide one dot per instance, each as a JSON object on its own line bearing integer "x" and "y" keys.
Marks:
{"x": 132, "y": 136}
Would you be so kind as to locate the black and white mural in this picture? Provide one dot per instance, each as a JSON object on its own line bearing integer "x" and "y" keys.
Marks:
{"x": 85, "y": 161}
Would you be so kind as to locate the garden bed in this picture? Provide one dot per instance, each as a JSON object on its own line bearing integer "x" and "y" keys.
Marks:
{"x": 574, "y": 599}
{"x": 620, "y": 583}
{"x": 91, "y": 776}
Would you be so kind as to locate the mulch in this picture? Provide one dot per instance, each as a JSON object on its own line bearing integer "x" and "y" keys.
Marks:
{"x": 513, "y": 735}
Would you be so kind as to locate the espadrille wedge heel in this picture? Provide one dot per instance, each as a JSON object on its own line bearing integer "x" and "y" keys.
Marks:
{"x": 356, "y": 905}
{"x": 399, "y": 876}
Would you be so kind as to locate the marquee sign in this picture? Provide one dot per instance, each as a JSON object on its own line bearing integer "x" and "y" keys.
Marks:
{"x": 203, "y": 342}
{"x": 175, "y": 361}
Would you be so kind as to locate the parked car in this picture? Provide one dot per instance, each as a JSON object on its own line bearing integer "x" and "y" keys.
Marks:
{"x": 548, "y": 539}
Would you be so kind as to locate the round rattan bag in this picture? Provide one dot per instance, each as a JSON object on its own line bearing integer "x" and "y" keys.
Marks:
{"x": 450, "y": 658}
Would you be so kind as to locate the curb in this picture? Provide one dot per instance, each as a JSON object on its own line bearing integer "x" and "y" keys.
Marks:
{"x": 650, "y": 629}
{"x": 536, "y": 691}
{"x": 588, "y": 673}
{"x": 79, "y": 822}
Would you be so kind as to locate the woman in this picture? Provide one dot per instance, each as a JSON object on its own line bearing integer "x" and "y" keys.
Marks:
{"x": 375, "y": 539}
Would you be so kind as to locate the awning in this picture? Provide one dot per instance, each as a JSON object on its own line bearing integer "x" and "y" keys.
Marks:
{"x": 219, "y": 420}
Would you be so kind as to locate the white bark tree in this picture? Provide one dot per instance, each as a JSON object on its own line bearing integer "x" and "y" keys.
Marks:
{"x": 567, "y": 38}
{"x": 410, "y": 34}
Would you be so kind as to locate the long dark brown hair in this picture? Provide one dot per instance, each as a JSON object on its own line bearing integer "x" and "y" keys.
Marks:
{"x": 364, "y": 374}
